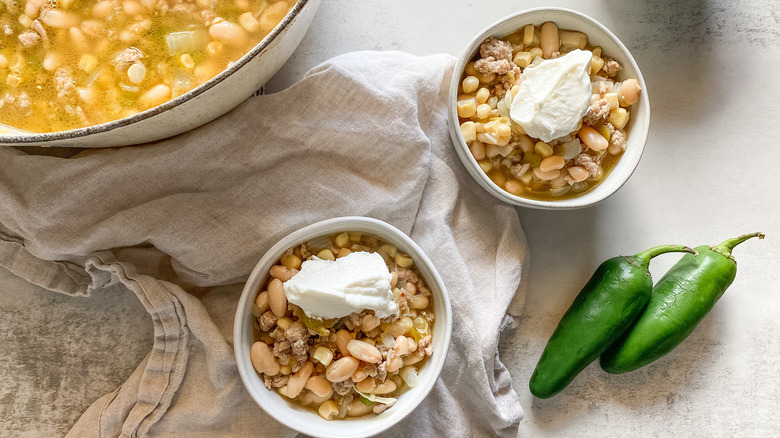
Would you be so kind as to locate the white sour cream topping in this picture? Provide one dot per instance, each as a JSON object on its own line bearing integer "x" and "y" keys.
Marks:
{"x": 335, "y": 288}
{"x": 554, "y": 96}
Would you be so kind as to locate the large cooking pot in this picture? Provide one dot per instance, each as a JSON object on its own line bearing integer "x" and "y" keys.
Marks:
{"x": 210, "y": 100}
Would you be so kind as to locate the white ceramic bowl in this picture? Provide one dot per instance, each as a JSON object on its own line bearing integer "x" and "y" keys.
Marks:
{"x": 599, "y": 35}
{"x": 198, "y": 106}
{"x": 306, "y": 421}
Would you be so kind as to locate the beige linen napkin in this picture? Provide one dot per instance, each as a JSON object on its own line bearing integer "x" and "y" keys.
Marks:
{"x": 181, "y": 223}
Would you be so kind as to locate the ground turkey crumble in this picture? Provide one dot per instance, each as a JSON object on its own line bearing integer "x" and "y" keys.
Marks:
{"x": 611, "y": 67}
{"x": 598, "y": 112}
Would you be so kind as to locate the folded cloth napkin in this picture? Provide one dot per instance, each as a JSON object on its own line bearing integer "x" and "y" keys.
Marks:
{"x": 182, "y": 222}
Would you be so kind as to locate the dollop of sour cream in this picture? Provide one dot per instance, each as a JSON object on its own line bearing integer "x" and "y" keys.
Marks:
{"x": 554, "y": 96}
{"x": 336, "y": 288}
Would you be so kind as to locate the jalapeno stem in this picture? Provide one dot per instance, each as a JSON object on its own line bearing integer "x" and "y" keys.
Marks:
{"x": 643, "y": 258}
{"x": 726, "y": 247}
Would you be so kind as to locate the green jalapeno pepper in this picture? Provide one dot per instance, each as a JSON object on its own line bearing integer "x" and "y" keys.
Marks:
{"x": 605, "y": 307}
{"x": 679, "y": 301}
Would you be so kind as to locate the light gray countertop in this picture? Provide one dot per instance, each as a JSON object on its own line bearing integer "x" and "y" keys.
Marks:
{"x": 709, "y": 172}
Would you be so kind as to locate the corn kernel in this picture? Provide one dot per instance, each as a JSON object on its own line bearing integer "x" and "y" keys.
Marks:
{"x": 326, "y": 254}
{"x": 469, "y": 132}
{"x": 612, "y": 98}
{"x": 528, "y": 34}
{"x": 543, "y": 149}
{"x": 88, "y": 63}
{"x": 391, "y": 250}
{"x": 186, "y": 60}
{"x": 342, "y": 240}
{"x": 355, "y": 237}
{"x": 492, "y": 102}
{"x": 596, "y": 63}
{"x": 291, "y": 261}
{"x": 470, "y": 84}
{"x": 328, "y": 410}
{"x": 323, "y": 355}
{"x": 523, "y": 59}
{"x": 403, "y": 260}
{"x": 284, "y": 323}
{"x": 467, "y": 108}
{"x": 618, "y": 117}
{"x": 483, "y": 94}
{"x": 500, "y": 132}
{"x": 536, "y": 52}
{"x": 483, "y": 111}
{"x": 214, "y": 47}
{"x": 596, "y": 51}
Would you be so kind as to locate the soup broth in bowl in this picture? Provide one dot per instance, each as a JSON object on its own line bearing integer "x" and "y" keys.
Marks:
{"x": 67, "y": 64}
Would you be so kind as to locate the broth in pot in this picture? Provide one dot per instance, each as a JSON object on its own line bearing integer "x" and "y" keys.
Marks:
{"x": 68, "y": 64}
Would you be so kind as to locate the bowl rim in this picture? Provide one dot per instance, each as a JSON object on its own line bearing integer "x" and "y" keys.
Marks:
{"x": 40, "y": 137}
{"x": 442, "y": 334}
{"x": 473, "y": 167}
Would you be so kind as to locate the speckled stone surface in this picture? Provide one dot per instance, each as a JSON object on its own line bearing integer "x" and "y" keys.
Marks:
{"x": 709, "y": 172}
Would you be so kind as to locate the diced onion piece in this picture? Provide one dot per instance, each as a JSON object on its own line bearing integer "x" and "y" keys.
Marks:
{"x": 571, "y": 149}
{"x": 388, "y": 340}
{"x": 560, "y": 191}
{"x": 186, "y": 41}
{"x": 409, "y": 374}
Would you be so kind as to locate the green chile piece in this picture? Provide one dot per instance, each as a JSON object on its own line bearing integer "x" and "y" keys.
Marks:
{"x": 678, "y": 303}
{"x": 605, "y": 307}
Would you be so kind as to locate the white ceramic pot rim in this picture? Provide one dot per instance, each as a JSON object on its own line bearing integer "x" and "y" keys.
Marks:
{"x": 638, "y": 135}
{"x": 285, "y": 412}
{"x": 28, "y": 139}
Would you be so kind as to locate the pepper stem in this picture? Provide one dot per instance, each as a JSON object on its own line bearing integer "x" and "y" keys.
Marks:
{"x": 726, "y": 247}
{"x": 643, "y": 258}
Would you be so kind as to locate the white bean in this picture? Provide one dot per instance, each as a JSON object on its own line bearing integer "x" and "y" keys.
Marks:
{"x": 342, "y": 369}
{"x": 249, "y": 22}
{"x": 155, "y": 96}
{"x": 277, "y": 301}
{"x": 298, "y": 380}
{"x": 263, "y": 359}
{"x": 59, "y": 19}
{"x": 272, "y": 15}
{"x": 385, "y": 387}
{"x": 282, "y": 272}
{"x": 546, "y": 176}
{"x": 319, "y": 385}
{"x": 364, "y": 351}
{"x": 548, "y": 39}
{"x": 229, "y": 33}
